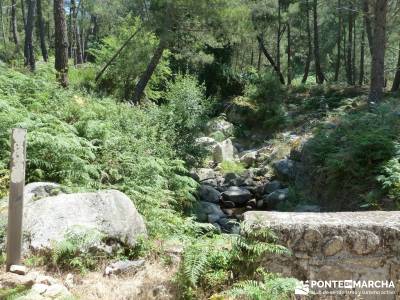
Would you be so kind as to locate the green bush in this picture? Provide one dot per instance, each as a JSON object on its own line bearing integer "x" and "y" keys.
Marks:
{"x": 267, "y": 95}
{"x": 346, "y": 160}
{"x": 82, "y": 141}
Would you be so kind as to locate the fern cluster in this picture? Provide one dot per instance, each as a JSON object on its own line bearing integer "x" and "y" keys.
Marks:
{"x": 229, "y": 265}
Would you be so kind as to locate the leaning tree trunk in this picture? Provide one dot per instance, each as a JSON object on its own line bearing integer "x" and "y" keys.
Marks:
{"x": 270, "y": 59}
{"x": 396, "y": 81}
{"x": 309, "y": 54}
{"x": 339, "y": 40}
{"x": 378, "y": 52}
{"x": 14, "y": 24}
{"x": 30, "y": 23}
{"x": 318, "y": 71}
{"x": 61, "y": 43}
{"x": 144, "y": 79}
{"x": 42, "y": 31}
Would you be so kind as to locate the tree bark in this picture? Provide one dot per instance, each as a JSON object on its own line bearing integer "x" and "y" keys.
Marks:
{"x": 30, "y": 23}
{"x": 3, "y": 30}
{"x": 309, "y": 54}
{"x": 396, "y": 81}
{"x": 14, "y": 25}
{"x": 270, "y": 59}
{"x": 289, "y": 55}
{"x": 349, "y": 65}
{"x": 339, "y": 40}
{"x": 378, "y": 52}
{"x": 75, "y": 35}
{"x": 23, "y": 13}
{"x": 278, "y": 38}
{"x": 320, "y": 78}
{"x": 362, "y": 55}
{"x": 41, "y": 30}
{"x": 61, "y": 43}
{"x": 259, "y": 59}
{"x": 368, "y": 27}
{"x": 145, "y": 77}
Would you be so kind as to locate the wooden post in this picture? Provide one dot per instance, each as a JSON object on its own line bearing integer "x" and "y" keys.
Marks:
{"x": 16, "y": 198}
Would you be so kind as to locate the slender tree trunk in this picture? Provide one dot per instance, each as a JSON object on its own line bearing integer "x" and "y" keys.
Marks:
{"x": 289, "y": 55}
{"x": 368, "y": 27}
{"x": 30, "y": 23}
{"x": 353, "y": 60}
{"x": 378, "y": 52}
{"x": 3, "y": 29}
{"x": 42, "y": 30}
{"x": 339, "y": 40}
{"x": 145, "y": 77}
{"x": 278, "y": 38}
{"x": 309, "y": 54}
{"x": 14, "y": 24}
{"x": 61, "y": 43}
{"x": 75, "y": 36}
{"x": 349, "y": 69}
{"x": 116, "y": 54}
{"x": 362, "y": 55}
{"x": 259, "y": 59}
{"x": 23, "y": 13}
{"x": 396, "y": 81}
{"x": 270, "y": 59}
{"x": 318, "y": 71}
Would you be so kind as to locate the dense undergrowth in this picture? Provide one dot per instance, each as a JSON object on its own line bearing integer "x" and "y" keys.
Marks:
{"x": 79, "y": 140}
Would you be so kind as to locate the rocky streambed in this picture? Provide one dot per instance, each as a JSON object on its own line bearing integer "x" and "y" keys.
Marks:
{"x": 237, "y": 180}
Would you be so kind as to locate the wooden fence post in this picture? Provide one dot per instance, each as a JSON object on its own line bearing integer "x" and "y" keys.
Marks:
{"x": 16, "y": 197}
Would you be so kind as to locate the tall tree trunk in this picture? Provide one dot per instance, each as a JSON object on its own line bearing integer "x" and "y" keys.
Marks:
{"x": 396, "y": 81}
{"x": 259, "y": 59}
{"x": 260, "y": 40}
{"x": 289, "y": 55}
{"x": 61, "y": 43}
{"x": 362, "y": 55}
{"x": 368, "y": 27}
{"x": 309, "y": 54}
{"x": 145, "y": 77}
{"x": 349, "y": 69}
{"x": 3, "y": 29}
{"x": 23, "y": 13}
{"x": 378, "y": 52}
{"x": 42, "y": 30}
{"x": 14, "y": 24}
{"x": 75, "y": 36}
{"x": 318, "y": 71}
{"x": 339, "y": 40}
{"x": 353, "y": 60}
{"x": 30, "y": 23}
{"x": 278, "y": 38}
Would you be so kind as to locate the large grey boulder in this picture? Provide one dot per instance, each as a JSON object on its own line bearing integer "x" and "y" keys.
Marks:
{"x": 206, "y": 211}
{"x": 285, "y": 169}
{"x": 111, "y": 213}
{"x": 237, "y": 195}
{"x": 209, "y": 194}
{"x": 272, "y": 186}
{"x": 37, "y": 190}
{"x": 223, "y": 151}
{"x": 248, "y": 158}
{"x": 205, "y": 142}
{"x": 273, "y": 200}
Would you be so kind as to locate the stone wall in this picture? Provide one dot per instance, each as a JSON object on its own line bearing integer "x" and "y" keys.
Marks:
{"x": 336, "y": 246}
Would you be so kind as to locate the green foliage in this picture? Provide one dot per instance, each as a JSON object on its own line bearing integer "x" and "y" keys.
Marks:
{"x": 85, "y": 142}
{"x": 232, "y": 167}
{"x": 265, "y": 91}
{"x": 211, "y": 265}
{"x": 13, "y": 293}
{"x": 75, "y": 251}
{"x": 346, "y": 159}
{"x": 270, "y": 287}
